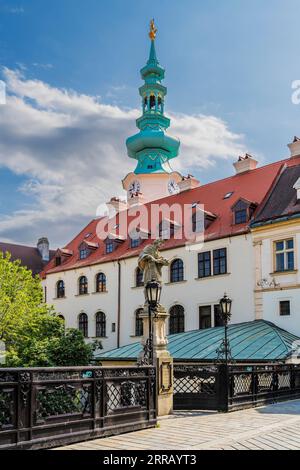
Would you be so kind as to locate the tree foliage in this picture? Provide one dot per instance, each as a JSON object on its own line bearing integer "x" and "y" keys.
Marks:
{"x": 32, "y": 332}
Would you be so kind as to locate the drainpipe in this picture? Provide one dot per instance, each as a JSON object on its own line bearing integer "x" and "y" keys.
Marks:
{"x": 119, "y": 304}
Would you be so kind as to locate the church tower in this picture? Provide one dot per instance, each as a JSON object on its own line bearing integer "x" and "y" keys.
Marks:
{"x": 152, "y": 147}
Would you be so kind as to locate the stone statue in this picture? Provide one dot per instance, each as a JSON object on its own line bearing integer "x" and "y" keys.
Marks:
{"x": 151, "y": 262}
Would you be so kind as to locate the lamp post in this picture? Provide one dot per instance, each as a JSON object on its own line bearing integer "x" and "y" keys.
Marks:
{"x": 153, "y": 293}
{"x": 225, "y": 313}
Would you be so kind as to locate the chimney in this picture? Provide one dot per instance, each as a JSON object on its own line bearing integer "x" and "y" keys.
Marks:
{"x": 118, "y": 204}
{"x": 137, "y": 199}
{"x": 246, "y": 163}
{"x": 297, "y": 188}
{"x": 295, "y": 147}
{"x": 43, "y": 248}
{"x": 188, "y": 182}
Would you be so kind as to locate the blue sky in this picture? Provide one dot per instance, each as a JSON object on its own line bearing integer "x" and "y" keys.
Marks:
{"x": 231, "y": 60}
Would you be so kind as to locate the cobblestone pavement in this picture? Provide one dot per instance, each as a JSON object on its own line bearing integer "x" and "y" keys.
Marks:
{"x": 270, "y": 427}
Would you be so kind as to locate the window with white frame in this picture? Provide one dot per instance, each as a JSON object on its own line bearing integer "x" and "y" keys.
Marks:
{"x": 284, "y": 255}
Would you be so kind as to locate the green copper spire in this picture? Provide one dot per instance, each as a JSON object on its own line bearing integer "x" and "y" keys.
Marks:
{"x": 151, "y": 147}
{"x": 152, "y": 56}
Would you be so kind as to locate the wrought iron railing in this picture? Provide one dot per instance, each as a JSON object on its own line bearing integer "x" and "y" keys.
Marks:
{"x": 216, "y": 387}
{"x": 47, "y": 407}
{"x": 255, "y": 385}
{"x": 199, "y": 387}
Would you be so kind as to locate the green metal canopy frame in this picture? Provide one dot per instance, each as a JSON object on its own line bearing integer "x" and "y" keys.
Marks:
{"x": 255, "y": 342}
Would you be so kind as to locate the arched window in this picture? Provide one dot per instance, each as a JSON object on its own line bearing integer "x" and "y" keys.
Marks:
{"x": 177, "y": 273}
{"x": 100, "y": 325}
{"x": 100, "y": 282}
{"x": 139, "y": 277}
{"x": 139, "y": 331}
{"x": 145, "y": 103}
{"x": 152, "y": 101}
{"x": 83, "y": 324}
{"x": 62, "y": 319}
{"x": 83, "y": 285}
{"x": 60, "y": 289}
{"x": 176, "y": 322}
{"x": 159, "y": 103}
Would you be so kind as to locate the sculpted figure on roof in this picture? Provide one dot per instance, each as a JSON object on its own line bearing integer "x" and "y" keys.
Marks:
{"x": 151, "y": 262}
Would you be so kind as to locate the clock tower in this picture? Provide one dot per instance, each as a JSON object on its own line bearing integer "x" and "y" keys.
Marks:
{"x": 153, "y": 177}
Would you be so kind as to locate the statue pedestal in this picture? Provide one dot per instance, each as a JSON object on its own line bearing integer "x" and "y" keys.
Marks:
{"x": 161, "y": 358}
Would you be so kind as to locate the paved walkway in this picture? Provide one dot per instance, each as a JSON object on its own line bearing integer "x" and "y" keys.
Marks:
{"x": 270, "y": 427}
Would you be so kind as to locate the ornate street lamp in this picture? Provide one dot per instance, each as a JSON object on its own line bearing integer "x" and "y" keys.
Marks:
{"x": 225, "y": 306}
{"x": 153, "y": 293}
{"x": 224, "y": 350}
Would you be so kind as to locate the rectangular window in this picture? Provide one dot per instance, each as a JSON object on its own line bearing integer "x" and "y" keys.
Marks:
{"x": 113, "y": 327}
{"x": 204, "y": 264}
{"x": 284, "y": 255}
{"x": 204, "y": 317}
{"x": 83, "y": 253}
{"x": 135, "y": 242}
{"x": 284, "y": 308}
{"x": 58, "y": 261}
{"x": 166, "y": 230}
{"x": 240, "y": 216}
{"x": 109, "y": 247}
{"x": 217, "y": 316}
{"x": 220, "y": 261}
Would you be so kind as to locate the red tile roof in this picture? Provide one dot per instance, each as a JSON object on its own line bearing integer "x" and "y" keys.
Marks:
{"x": 282, "y": 201}
{"x": 252, "y": 186}
{"x": 29, "y": 256}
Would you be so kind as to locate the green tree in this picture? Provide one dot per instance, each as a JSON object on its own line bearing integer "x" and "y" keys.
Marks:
{"x": 21, "y": 300}
{"x": 32, "y": 332}
{"x": 71, "y": 349}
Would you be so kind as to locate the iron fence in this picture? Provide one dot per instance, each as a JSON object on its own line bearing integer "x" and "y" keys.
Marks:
{"x": 199, "y": 387}
{"x": 257, "y": 385}
{"x": 47, "y": 407}
{"x": 216, "y": 387}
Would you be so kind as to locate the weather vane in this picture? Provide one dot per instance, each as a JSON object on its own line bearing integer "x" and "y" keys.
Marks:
{"x": 153, "y": 30}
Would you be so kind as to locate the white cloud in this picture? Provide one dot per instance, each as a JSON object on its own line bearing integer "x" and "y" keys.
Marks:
{"x": 71, "y": 149}
{"x": 15, "y": 10}
{"x": 39, "y": 65}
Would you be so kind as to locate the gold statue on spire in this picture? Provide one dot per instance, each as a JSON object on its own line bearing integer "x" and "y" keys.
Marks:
{"x": 153, "y": 30}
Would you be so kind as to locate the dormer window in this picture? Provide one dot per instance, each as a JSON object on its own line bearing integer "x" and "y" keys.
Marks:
{"x": 135, "y": 238}
{"x": 202, "y": 220}
{"x": 86, "y": 248}
{"x": 167, "y": 229}
{"x": 62, "y": 255}
{"x": 243, "y": 211}
{"x": 135, "y": 242}
{"x": 240, "y": 216}
{"x": 83, "y": 252}
{"x": 112, "y": 242}
{"x": 109, "y": 246}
